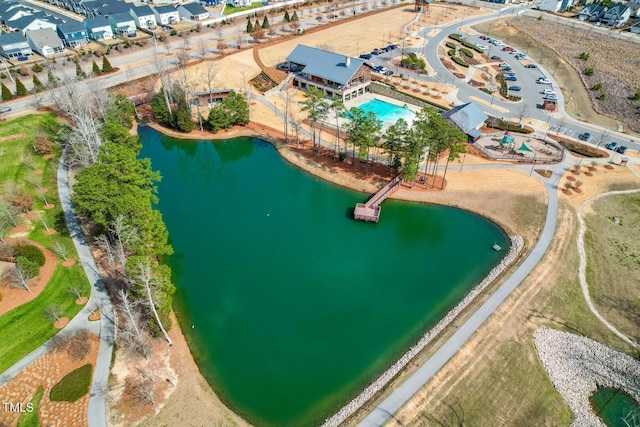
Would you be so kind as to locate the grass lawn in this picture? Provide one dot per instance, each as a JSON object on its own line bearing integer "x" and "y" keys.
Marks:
{"x": 228, "y": 10}
{"x": 25, "y": 328}
{"x": 30, "y": 419}
{"x": 73, "y": 386}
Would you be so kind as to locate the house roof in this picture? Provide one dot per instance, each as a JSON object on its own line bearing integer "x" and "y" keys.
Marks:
{"x": 97, "y": 22}
{"x": 25, "y": 21}
{"x": 108, "y": 7}
{"x": 194, "y": 8}
{"x": 325, "y": 64}
{"x": 14, "y": 11}
{"x": 45, "y": 37}
{"x": 166, "y": 9}
{"x": 142, "y": 10}
{"x": 11, "y": 38}
{"x": 467, "y": 117}
{"x": 71, "y": 26}
{"x": 119, "y": 18}
{"x": 618, "y": 8}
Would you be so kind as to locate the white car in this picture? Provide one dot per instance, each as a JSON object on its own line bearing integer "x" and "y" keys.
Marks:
{"x": 548, "y": 92}
{"x": 483, "y": 47}
{"x": 543, "y": 81}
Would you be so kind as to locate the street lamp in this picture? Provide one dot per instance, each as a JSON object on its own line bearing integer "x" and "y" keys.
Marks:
{"x": 462, "y": 164}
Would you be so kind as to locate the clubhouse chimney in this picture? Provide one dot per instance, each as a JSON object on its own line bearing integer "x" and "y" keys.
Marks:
{"x": 347, "y": 61}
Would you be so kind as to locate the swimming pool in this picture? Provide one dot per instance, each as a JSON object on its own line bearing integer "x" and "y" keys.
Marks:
{"x": 388, "y": 112}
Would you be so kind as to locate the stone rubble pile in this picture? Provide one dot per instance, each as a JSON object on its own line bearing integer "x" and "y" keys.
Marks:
{"x": 351, "y": 407}
{"x": 578, "y": 365}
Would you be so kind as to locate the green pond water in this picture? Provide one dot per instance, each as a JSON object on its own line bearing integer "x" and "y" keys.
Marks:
{"x": 291, "y": 306}
{"x": 615, "y": 407}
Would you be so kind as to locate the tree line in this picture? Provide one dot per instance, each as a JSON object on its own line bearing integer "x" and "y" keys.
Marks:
{"x": 429, "y": 138}
{"x": 117, "y": 192}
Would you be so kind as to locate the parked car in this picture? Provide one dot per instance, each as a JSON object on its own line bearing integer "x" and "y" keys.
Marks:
{"x": 511, "y": 78}
{"x": 482, "y": 46}
{"x": 509, "y": 73}
{"x": 531, "y": 66}
{"x": 551, "y": 97}
{"x": 521, "y": 56}
{"x": 507, "y": 69}
{"x": 366, "y": 56}
{"x": 515, "y": 88}
{"x": 376, "y": 52}
{"x": 585, "y": 136}
{"x": 508, "y": 49}
{"x": 392, "y": 46}
{"x": 543, "y": 81}
{"x": 621, "y": 149}
{"x": 387, "y": 73}
{"x": 548, "y": 92}
{"x": 496, "y": 58}
{"x": 503, "y": 64}
{"x": 483, "y": 37}
{"x": 5, "y": 109}
{"x": 611, "y": 146}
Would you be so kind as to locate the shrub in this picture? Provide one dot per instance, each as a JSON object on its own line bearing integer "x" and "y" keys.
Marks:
{"x": 467, "y": 52}
{"x": 597, "y": 86}
{"x": 602, "y": 96}
{"x": 173, "y": 33}
{"x": 584, "y": 56}
{"x": 451, "y": 52}
{"x": 23, "y": 71}
{"x": 6, "y": 93}
{"x": 21, "y": 201}
{"x": 30, "y": 252}
{"x": 106, "y": 65}
{"x": 451, "y": 45}
{"x": 460, "y": 61}
{"x": 73, "y": 386}
{"x": 636, "y": 96}
{"x": 496, "y": 123}
{"x": 30, "y": 267}
{"x": 37, "y": 67}
{"x": 589, "y": 71}
{"x": 21, "y": 90}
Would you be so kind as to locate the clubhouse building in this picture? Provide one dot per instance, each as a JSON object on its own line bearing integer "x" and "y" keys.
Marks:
{"x": 336, "y": 75}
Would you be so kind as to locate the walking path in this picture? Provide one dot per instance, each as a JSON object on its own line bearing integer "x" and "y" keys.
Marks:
{"x": 99, "y": 298}
{"x": 582, "y": 269}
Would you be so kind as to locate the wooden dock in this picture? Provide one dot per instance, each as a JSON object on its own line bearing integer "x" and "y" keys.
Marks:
{"x": 370, "y": 211}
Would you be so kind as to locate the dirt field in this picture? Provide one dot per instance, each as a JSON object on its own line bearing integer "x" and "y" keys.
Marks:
{"x": 553, "y": 45}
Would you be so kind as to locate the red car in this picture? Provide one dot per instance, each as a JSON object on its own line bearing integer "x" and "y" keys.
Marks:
{"x": 483, "y": 37}
{"x": 508, "y": 49}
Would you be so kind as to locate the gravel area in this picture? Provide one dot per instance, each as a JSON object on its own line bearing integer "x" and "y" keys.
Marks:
{"x": 578, "y": 365}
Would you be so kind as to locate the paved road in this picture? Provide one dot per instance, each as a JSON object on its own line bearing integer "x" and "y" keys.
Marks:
{"x": 98, "y": 298}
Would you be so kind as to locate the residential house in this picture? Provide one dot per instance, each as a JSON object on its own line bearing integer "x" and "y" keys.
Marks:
{"x": 14, "y": 45}
{"x": 15, "y": 13}
{"x": 468, "y": 117}
{"x": 550, "y": 5}
{"x": 634, "y": 5}
{"x": 45, "y": 41}
{"x": 239, "y": 3}
{"x": 98, "y": 28}
{"x": 592, "y": 13}
{"x": 123, "y": 24}
{"x": 617, "y": 15}
{"x": 336, "y": 75}
{"x": 36, "y": 21}
{"x": 144, "y": 17}
{"x": 635, "y": 28}
{"x": 193, "y": 12}
{"x": 166, "y": 15}
{"x": 73, "y": 33}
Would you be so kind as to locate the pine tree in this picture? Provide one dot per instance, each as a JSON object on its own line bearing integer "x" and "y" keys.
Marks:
{"x": 6, "y": 93}
{"x": 95, "y": 69}
{"x": 37, "y": 84}
{"x": 106, "y": 65}
{"x": 294, "y": 17}
{"x": 249, "y": 27}
{"x": 287, "y": 18}
{"x": 265, "y": 22}
{"x": 79, "y": 71}
{"x": 20, "y": 89}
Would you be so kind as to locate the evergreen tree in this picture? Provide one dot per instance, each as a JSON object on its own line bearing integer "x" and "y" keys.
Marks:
{"x": 249, "y": 26}
{"x": 159, "y": 108}
{"x": 106, "y": 65}
{"x": 6, "y": 93}
{"x": 287, "y": 18}
{"x": 256, "y": 25}
{"x": 20, "y": 89}
{"x": 294, "y": 17}
{"x": 79, "y": 71}
{"x": 182, "y": 116}
{"x": 37, "y": 84}
{"x": 265, "y": 22}
{"x": 95, "y": 69}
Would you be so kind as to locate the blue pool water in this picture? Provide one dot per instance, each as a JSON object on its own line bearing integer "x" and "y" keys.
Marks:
{"x": 387, "y": 112}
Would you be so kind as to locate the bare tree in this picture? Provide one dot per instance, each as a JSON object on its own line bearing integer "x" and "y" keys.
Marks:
{"x": 126, "y": 235}
{"x": 141, "y": 387}
{"x": 212, "y": 70}
{"x": 522, "y": 111}
{"x": 222, "y": 46}
{"x": 53, "y": 312}
{"x": 143, "y": 275}
{"x": 21, "y": 276}
{"x": 61, "y": 249}
{"x": 5, "y": 226}
{"x": 10, "y": 214}
{"x": 131, "y": 331}
{"x": 107, "y": 249}
{"x": 202, "y": 48}
{"x": 76, "y": 290}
